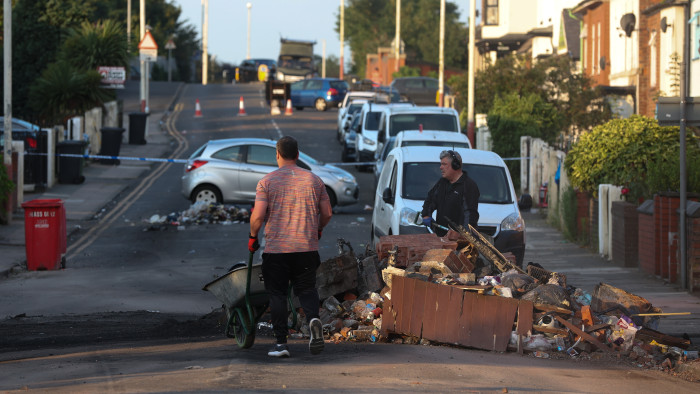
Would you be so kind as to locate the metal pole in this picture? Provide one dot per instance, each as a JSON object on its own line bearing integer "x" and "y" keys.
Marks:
{"x": 684, "y": 185}
{"x": 323, "y": 62}
{"x": 205, "y": 43}
{"x": 7, "y": 93}
{"x": 470, "y": 78}
{"x": 142, "y": 32}
{"x": 397, "y": 44}
{"x": 128, "y": 24}
{"x": 342, "y": 36}
{"x": 247, "y": 53}
{"x": 170, "y": 67}
{"x": 441, "y": 66}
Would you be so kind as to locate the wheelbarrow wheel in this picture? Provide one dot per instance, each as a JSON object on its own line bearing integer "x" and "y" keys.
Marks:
{"x": 238, "y": 321}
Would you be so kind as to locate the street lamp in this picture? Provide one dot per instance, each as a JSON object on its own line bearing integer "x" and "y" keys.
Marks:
{"x": 247, "y": 55}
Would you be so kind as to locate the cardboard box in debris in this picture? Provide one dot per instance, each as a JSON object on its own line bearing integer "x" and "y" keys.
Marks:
{"x": 460, "y": 290}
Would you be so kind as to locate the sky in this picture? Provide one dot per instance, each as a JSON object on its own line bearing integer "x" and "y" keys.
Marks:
{"x": 312, "y": 20}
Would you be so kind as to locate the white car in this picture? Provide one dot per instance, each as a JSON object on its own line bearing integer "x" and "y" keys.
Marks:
{"x": 397, "y": 118}
{"x": 410, "y": 172}
{"x": 349, "y": 113}
{"x": 350, "y": 97}
{"x": 447, "y": 139}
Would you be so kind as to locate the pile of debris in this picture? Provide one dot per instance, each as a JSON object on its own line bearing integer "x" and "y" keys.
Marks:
{"x": 199, "y": 213}
{"x": 410, "y": 287}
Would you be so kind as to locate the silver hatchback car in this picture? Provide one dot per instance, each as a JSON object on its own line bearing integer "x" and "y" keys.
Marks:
{"x": 228, "y": 171}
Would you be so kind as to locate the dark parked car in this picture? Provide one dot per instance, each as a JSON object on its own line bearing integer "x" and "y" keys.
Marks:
{"x": 419, "y": 90}
{"x": 27, "y": 132}
{"x": 249, "y": 69}
{"x": 320, "y": 93}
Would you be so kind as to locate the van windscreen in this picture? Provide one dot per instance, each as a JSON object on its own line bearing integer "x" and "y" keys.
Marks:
{"x": 419, "y": 178}
{"x": 372, "y": 120}
{"x": 441, "y": 122}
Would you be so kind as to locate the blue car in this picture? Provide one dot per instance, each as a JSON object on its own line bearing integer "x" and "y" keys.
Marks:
{"x": 320, "y": 93}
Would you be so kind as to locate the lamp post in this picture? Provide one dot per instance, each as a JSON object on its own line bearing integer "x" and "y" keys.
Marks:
{"x": 397, "y": 44}
{"x": 470, "y": 88}
{"x": 342, "y": 36}
{"x": 205, "y": 42}
{"x": 247, "y": 53}
{"x": 441, "y": 66}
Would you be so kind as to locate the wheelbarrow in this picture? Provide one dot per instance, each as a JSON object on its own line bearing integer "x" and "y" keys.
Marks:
{"x": 242, "y": 291}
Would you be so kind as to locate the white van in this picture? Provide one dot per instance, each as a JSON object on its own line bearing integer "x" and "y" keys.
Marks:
{"x": 410, "y": 172}
{"x": 448, "y": 139}
{"x": 397, "y": 118}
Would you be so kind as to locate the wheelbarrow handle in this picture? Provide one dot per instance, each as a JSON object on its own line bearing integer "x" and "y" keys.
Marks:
{"x": 249, "y": 275}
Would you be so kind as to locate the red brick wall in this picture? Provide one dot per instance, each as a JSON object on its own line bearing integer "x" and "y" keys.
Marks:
{"x": 694, "y": 253}
{"x": 646, "y": 102}
{"x": 647, "y": 244}
{"x": 599, "y": 13}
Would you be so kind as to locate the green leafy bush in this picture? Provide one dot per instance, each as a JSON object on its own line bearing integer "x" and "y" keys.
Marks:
{"x": 636, "y": 153}
{"x": 6, "y": 185}
{"x": 513, "y": 116}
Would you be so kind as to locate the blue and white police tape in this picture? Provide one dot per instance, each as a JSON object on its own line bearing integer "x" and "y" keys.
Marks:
{"x": 353, "y": 163}
{"x": 180, "y": 161}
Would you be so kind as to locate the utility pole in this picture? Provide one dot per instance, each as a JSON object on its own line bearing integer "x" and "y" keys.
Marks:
{"x": 128, "y": 24}
{"x": 470, "y": 78}
{"x": 323, "y": 63}
{"x": 685, "y": 79}
{"x": 397, "y": 44}
{"x": 247, "y": 53}
{"x": 342, "y": 36}
{"x": 144, "y": 66}
{"x": 7, "y": 93}
{"x": 441, "y": 66}
{"x": 205, "y": 42}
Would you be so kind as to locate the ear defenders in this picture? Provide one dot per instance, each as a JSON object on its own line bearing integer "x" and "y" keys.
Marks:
{"x": 456, "y": 163}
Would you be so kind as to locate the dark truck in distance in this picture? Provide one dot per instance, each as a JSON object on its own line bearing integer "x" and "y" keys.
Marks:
{"x": 296, "y": 60}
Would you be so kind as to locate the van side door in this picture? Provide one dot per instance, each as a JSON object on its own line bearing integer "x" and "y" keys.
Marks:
{"x": 384, "y": 198}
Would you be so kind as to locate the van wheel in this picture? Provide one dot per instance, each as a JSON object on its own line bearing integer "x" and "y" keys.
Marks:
{"x": 320, "y": 105}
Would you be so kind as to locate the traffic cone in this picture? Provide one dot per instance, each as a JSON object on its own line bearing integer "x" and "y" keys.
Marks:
{"x": 275, "y": 108}
{"x": 241, "y": 108}
{"x": 288, "y": 110}
{"x": 197, "y": 110}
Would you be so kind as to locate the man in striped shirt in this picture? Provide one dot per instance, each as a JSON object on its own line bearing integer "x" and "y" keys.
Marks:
{"x": 294, "y": 203}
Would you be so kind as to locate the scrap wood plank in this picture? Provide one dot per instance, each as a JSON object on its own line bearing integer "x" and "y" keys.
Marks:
{"x": 588, "y": 337}
{"x": 476, "y": 288}
{"x": 597, "y": 327}
{"x": 524, "y": 324}
{"x": 485, "y": 248}
{"x": 647, "y": 335}
{"x": 550, "y": 330}
{"x": 552, "y": 308}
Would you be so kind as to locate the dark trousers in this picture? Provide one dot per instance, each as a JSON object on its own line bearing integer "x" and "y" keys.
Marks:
{"x": 298, "y": 268}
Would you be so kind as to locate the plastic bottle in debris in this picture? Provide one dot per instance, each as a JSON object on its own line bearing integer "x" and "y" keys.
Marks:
{"x": 332, "y": 305}
{"x": 559, "y": 344}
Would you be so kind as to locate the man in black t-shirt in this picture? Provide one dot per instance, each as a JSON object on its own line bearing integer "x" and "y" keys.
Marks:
{"x": 454, "y": 196}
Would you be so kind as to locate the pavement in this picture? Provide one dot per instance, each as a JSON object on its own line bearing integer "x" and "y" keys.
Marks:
{"x": 103, "y": 183}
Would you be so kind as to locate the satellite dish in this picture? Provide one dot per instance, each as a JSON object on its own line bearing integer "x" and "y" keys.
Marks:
{"x": 602, "y": 62}
{"x": 627, "y": 23}
{"x": 664, "y": 24}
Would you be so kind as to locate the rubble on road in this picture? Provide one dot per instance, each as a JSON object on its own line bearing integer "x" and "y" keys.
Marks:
{"x": 460, "y": 290}
{"x": 197, "y": 214}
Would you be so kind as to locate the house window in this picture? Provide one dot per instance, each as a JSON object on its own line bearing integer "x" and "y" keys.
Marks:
{"x": 491, "y": 12}
{"x": 594, "y": 58}
{"x": 598, "y": 45}
{"x": 696, "y": 41}
{"x": 653, "y": 77}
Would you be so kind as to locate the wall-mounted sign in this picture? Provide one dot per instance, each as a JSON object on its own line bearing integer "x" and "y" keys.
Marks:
{"x": 112, "y": 77}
